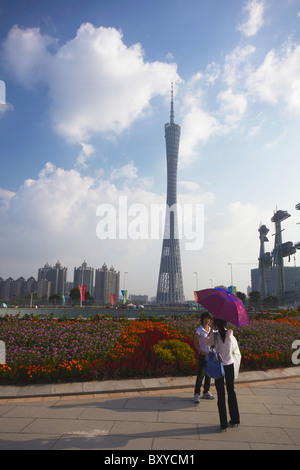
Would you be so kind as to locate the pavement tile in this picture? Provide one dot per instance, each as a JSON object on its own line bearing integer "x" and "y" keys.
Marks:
{"x": 68, "y": 426}
{"x": 159, "y": 419}
{"x": 253, "y": 419}
{"x": 151, "y": 430}
{"x": 13, "y": 424}
{"x": 119, "y": 443}
{"x": 251, "y": 434}
{"x": 172, "y": 444}
{"x": 293, "y": 410}
{"x": 293, "y": 433}
{"x": 17, "y": 441}
{"x": 29, "y": 411}
{"x": 119, "y": 415}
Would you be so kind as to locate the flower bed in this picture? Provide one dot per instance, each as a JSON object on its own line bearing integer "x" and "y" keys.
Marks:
{"x": 40, "y": 350}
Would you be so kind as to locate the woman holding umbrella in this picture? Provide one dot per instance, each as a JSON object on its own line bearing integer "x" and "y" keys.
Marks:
{"x": 224, "y": 346}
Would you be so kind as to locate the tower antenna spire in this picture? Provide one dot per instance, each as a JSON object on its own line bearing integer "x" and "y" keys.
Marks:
{"x": 172, "y": 106}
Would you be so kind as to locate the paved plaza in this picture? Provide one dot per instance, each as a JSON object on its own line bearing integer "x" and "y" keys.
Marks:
{"x": 157, "y": 416}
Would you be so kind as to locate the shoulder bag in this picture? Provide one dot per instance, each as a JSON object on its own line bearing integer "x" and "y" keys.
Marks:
{"x": 214, "y": 365}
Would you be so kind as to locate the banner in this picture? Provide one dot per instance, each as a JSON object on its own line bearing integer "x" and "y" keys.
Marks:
{"x": 112, "y": 299}
{"x": 232, "y": 289}
{"x": 64, "y": 299}
{"x": 124, "y": 295}
{"x": 82, "y": 290}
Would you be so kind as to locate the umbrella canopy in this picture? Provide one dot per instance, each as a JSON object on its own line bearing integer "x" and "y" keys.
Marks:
{"x": 223, "y": 305}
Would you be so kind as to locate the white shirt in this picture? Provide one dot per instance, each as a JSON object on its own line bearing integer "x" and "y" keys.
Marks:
{"x": 202, "y": 333}
{"x": 225, "y": 349}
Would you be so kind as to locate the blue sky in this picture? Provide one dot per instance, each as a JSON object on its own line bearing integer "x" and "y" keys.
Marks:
{"x": 87, "y": 96}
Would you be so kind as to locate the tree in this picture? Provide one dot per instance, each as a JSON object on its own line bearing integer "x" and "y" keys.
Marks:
{"x": 271, "y": 301}
{"x": 75, "y": 294}
{"x": 254, "y": 298}
{"x": 241, "y": 296}
{"x": 55, "y": 298}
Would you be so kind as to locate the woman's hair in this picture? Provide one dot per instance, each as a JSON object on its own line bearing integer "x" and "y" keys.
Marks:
{"x": 205, "y": 315}
{"x": 221, "y": 325}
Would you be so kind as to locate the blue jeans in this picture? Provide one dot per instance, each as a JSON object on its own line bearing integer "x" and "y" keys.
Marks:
{"x": 200, "y": 376}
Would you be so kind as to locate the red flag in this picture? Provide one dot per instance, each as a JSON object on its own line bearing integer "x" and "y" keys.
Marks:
{"x": 82, "y": 290}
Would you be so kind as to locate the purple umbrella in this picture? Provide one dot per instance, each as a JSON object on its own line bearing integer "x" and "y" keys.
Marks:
{"x": 223, "y": 305}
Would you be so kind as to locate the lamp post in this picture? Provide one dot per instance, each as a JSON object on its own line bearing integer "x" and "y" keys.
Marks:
{"x": 82, "y": 267}
{"x": 196, "y": 280}
{"x": 230, "y": 264}
{"x": 124, "y": 278}
{"x": 124, "y": 287}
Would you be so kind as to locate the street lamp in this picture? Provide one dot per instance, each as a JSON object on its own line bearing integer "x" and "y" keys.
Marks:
{"x": 230, "y": 264}
{"x": 124, "y": 296}
{"x": 82, "y": 268}
{"x": 124, "y": 278}
{"x": 196, "y": 280}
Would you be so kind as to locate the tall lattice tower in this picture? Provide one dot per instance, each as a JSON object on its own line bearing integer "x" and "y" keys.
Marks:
{"x": 170, "y": 287}
{"x": 281, "y": 250}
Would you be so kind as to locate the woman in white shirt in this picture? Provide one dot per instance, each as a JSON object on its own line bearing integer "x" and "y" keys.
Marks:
{"x": 203, "y": 351}
{"x": 226, "y": 341}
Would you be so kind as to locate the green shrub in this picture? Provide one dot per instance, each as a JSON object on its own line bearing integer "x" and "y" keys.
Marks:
{"x": 174, "y": 351}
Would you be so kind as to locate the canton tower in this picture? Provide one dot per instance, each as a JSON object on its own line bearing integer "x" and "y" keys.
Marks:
{"x": 170, "y": 288}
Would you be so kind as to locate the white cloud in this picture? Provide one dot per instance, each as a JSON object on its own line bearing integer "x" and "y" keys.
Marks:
{"x": 270, "y": 145}
{"x": 96, "y": 83}
{"x": 189, "y": 185}
{"x": 128, "y": 171}
{"x": 254, "y": 10}
{"x": 5, "y": 197}
{"x": 26, "y": 56}
{"x": 233, "y": 105}
{"x": 278, "y": 78}
{"x": 237, "y": 65}
{"x": 54, "y": 216}
{"x": 86, "y": 151}
{"x": 198, "y": 127}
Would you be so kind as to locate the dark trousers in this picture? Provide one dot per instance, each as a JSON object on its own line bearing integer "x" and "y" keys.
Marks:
{"x": 232, "y": 401}
{"x": 200, "y": 376}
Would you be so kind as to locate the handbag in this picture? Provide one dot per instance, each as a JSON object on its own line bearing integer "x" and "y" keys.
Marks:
{"x": 214, "y": 365}
{"x": 236, "y": 354}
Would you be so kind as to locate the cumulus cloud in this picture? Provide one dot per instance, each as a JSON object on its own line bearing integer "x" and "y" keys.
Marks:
{"x": 254, "y": 11}
{"x": 128, "y": 171}
{"x": 237, "y": 65}
{"x": 85, "y": 154}
{"x": 26, "y": 55}
{"x": 198, "y": 127}
{"x": 96, "y": 83}
{"x": 277, "y": 79}
{"x": 5, "y": 197}
{"x": 55, "y": 215}
{"x": 198, "y": 124}
{"x": 233, "y": 105}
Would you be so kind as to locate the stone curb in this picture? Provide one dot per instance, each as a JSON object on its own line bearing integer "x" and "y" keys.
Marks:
{"x": 133, "y": 385}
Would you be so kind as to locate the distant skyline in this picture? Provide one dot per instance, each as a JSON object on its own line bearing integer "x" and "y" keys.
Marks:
{"x": 87, "y": 90}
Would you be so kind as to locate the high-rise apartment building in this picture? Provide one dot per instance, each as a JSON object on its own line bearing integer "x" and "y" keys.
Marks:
{"x": 107, "y": 282}
{"x": 170, "y": 286}
{"x": 84, "y": 275}
{"x": 57, "y": 275}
